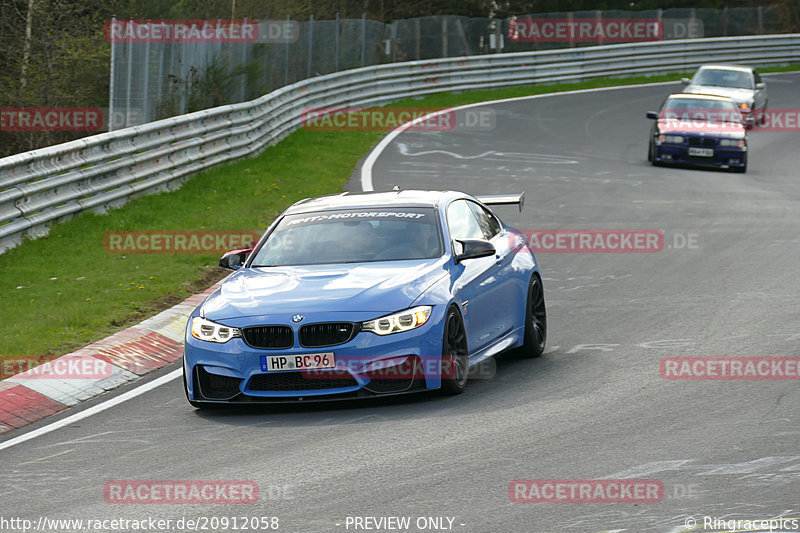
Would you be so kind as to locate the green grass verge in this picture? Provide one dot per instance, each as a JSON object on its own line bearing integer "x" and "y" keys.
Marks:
{"x": 65, "y": 291}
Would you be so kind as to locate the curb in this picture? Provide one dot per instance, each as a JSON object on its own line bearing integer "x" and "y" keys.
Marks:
{"x": 125, "y": 356}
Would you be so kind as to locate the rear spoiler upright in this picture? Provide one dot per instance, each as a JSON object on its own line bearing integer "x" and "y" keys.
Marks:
{"x": 503, "y": 199}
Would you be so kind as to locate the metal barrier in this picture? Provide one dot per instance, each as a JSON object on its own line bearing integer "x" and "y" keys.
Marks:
{"x": 106, "y": 170}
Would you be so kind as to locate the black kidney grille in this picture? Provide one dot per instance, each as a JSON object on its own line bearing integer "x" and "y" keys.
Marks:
{"x": 326, "y": 334}
{"x": 269, "y": 337}
{"x": 706, "y": 142}
{"x": 301, "y": 381}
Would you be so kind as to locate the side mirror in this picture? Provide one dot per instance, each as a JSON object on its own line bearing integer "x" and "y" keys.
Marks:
{"x": 234, "y": 259}
{"x": 474, "y": 248}
{"x": 761, "y": 86}
{"x": 652, "y": 114}
{"x": 686, "y": 81}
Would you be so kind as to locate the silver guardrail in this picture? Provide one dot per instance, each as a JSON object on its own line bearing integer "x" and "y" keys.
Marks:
{"x": 106, "y": 170}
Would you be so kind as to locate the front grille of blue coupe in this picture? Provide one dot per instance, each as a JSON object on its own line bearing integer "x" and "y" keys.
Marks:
{"x": 304, "y": 380}
{"x": 269, "y": 337}
{"x": 326, "y": 334}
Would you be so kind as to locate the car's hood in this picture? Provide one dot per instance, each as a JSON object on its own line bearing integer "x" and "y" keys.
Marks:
{"x": 740, "y": 95}
{"x": 690, "y": 126}
{"x": 379, "y": 287}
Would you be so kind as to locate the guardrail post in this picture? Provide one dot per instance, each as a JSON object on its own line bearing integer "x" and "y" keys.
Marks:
{"x": 417, "y": 39}
{"x": 243, "y": 76}
{"x": 111, "y": 75}
{"x": 130, "y": 76}
{"x": 363, "y": 38}
{"x": 444, "y": 36}
{"x": 336, "y": 44}
{"x": 725, "y": 21}
{"x": 145, "y": 116}
{"x": 286, "y": 59}
{"x": 310, "y": 44}
{"x": 570, "y": 18}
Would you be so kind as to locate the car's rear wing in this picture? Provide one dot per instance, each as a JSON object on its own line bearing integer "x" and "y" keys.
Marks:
{"x": 504, "y": 199}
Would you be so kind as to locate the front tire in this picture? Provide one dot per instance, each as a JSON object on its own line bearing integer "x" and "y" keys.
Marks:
{"x": 455, "y": 354}
{"x": 651, "y": 154}
{"x": 535, "y": 321}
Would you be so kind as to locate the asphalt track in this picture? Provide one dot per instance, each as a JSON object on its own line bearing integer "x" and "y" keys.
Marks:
{"x": 725, "y": 284}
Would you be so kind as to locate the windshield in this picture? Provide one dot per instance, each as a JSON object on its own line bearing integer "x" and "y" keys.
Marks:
{"x": 352, "y": 236}
{"x": 701, "y": 109}
{"x": 735, "y": 79}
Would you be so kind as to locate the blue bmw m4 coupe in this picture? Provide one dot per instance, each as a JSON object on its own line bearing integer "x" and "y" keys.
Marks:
{"x": 363, "y": 295}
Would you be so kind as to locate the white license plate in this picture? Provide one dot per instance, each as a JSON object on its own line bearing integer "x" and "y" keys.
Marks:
{"x": 702, "y": 152}
{"x": 308, "y": 361}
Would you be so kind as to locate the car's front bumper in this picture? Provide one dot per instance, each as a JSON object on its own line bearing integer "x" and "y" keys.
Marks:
{"x": 679, "y": 154}
{"x": 367, "y": 365}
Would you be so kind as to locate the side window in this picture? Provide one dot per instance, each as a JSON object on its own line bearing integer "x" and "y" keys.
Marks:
{"x": 486, "y": 221}
{"x": 756, "y": 76}
{"x": 461, "y": 221}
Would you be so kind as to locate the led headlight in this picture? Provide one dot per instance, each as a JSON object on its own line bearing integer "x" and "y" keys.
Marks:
{"x": 206, "y": 330}
{"x": 402, "y": 321}
{"x": 739, "y": 143}
{"x": 674, "y": 139}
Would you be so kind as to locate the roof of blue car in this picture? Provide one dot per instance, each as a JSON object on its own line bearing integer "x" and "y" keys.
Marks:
{"x": 407, "y": 198}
